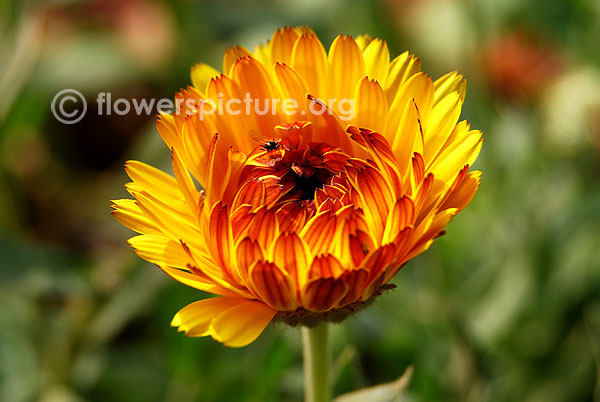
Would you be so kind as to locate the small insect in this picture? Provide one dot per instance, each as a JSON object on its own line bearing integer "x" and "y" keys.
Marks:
{"x": 271, "y": 145}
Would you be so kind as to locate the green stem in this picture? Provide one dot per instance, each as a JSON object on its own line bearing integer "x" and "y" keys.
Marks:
{"x": 316, "y": 363}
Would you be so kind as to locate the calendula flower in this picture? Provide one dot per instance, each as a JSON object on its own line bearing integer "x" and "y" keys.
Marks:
{"x": 301, "y": 215}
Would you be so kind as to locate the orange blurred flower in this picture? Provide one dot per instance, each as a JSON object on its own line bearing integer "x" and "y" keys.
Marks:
{"x": 519, "y": 66}
{"x": 314, "y": 220}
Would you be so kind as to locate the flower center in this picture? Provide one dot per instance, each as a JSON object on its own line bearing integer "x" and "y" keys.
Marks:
{"x": 291, "y": 171}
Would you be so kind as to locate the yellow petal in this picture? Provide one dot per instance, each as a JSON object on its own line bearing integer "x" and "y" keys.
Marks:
{"x": 131, "y": 216}
{"x": 439, "y": 125}
{"x": 241, "y": 324}
{"x": 201, "y": 74}
{"x": 204, "y": 284}
{"x": 170, "y": 221}
{"x": 401, "y": 69}
{"x": 151, "y": 179}
{"x": 165, "y": 124}
{"x": 449, "y": 83}
{"x": 262, "y": 53}
{"x": 377, "y": 60}
{"x": 195, "y": 318}
{"x": 186, "y": 184}
{"x": 160, "y": 250}
{"x": 234, "y": 321}
{"x": 363, "y": 41}
{"x": 418, "y": 90}
{"x": 453, "y": 158}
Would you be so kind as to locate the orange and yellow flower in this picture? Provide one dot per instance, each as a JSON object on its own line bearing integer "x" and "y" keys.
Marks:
{"x": 311, "y": 222}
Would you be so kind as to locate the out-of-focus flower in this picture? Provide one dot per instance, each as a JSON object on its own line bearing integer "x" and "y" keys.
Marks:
{"x": 570, "y": 111}
{"x": 313, "y": 221}
{"x": 518, "y": 66}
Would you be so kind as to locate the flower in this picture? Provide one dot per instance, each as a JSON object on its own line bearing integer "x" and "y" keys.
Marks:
{"x": 311, "y": 221}
{"x": 519, "y": 66}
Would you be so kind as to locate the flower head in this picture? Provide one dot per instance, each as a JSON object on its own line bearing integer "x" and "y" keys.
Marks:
{"x": 305, "y": 214}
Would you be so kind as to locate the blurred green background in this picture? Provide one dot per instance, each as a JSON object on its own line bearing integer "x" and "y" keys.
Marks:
{"x": 505, "y": 307}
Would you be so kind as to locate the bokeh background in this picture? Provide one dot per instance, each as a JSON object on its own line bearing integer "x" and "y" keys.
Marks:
{"x": 505, "y": 307}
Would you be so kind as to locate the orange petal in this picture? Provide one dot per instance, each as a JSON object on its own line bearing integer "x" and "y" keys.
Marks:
{"x": 326, "y": 125}
{"x": 463, "y": 194}
{"x": 258, "y": 192}
{"x": 371, "y": 106}
{"x": 264, "y": 227}
{"x": 221, "y": 240}
{"x": 400, "y": 216}
{"x": 377, "y": 263}
{"x": 379, "y": 149}
{"x": 232, "y": 55}
{"x": 291, "y": 86}
{"x": 310, "y": 61}
{"x": 291, "y": 217}
{"x": 356, "y": 281}
{"x": 253, "y": 79}
{"x": 228, "y": 112}
{"x": 323, "y": 294}
{"x": 248, "y": 253}
{"x": 325, "y": 266}
{"x": 376, "y": 197}
{"x": 273, "y": 286}
{"x": 291, "y": 254}
{"x": 282, "y": 44}
{"x": 346, "y": 67}
{"x": 319, "y": 232}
